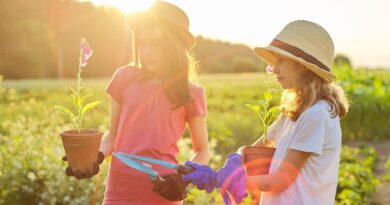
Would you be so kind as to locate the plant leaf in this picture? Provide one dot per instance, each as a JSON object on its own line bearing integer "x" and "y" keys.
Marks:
{"x": 73, "y": 91}
{"x": 255, "y": 108}
{"x": 85, "y": 97}
{"x": 65, "y": 111}
{"x": 262, "y": 103}
{"x": 89, "y": 106}
{"x": 274, "y": 110}
{"x": 78, "y": 101}
{"x": 267, "y": 96}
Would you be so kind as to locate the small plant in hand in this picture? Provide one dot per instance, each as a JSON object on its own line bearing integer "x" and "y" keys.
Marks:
{"x": 81, "y": 145}
{"x": 80, "y": 107}
{"x": 258, "y": 158}
{"x": 265, "y": 112}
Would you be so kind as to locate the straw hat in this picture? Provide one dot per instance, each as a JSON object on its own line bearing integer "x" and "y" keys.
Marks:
{"x": 305, "y": 42}
{"x": 168, "y": 15}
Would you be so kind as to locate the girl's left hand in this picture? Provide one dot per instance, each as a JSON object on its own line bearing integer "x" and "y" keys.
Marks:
{"x": 83, "y": 174}
{"x": 171, "y": 187}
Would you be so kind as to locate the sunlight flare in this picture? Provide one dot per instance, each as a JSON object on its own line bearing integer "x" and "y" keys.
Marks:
{"x": 124, "y": 5}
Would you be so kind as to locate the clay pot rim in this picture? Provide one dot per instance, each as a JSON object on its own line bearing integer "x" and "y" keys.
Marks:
{"x": 83, "y": 132}
{"x": 258, "y": 149}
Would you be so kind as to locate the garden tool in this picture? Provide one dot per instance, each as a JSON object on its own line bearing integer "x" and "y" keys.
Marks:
{"x": 171, "y": 187}
{"x": 130, "y": 160}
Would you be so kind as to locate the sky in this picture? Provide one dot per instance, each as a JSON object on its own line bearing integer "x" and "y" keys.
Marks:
{"x": 360, "y": 28}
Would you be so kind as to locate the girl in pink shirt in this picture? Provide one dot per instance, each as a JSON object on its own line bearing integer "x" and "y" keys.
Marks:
{"x": 151, "y": 104}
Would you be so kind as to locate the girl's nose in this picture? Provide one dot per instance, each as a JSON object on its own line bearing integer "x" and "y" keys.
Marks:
{"x": 276, "y": 68}
{"x": 145, "y": 49}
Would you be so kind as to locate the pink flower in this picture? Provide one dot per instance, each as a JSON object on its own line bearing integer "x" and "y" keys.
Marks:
{"x": 269, "y": 69}
{"x": 85, "y": 52}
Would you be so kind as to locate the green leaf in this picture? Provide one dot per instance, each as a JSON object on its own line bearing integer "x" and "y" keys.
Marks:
{"x": 78, "y": 101}
{"x": 65, "y": 111}
{"x": 89, "y": 106}
{"x": 73, "y": 97}
{"x": 73, "y": 91}
{"x": 262, "y": 103}
{"x": 255, "y": 108}
{"x": 274, "y": 110}
{"x": 82, "y": 100}
{"x": 85, "y": 97}
{"x": 267, "y": 96}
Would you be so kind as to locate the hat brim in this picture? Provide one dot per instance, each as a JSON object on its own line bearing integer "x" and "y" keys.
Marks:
{"x": 270, "y": 54}
{"x": 135, "y": 21}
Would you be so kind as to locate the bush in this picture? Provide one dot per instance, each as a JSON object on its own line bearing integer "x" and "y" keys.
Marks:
{"x": 357, "y": 183}
{"x": 368, "y": 93}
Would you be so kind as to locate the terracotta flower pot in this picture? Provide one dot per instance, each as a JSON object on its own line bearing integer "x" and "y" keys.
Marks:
{"x": 258, "y": 159}
{"x": 81, "y": 148}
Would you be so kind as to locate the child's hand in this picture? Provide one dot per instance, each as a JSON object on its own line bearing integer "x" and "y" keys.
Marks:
{"x": 232, "y": 179}
{"x": 171, "y": 187}
{"x": 241, "y": 152}
{"x": 86, "y": 173}
{"x": 203, "y": 177}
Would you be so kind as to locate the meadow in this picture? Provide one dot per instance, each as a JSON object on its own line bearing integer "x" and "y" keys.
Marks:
{"x": 31, "y": 170}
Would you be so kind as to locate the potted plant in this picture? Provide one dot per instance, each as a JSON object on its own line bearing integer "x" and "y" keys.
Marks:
{"x": 258, "y": 158}
{"x": 81, "y": 145}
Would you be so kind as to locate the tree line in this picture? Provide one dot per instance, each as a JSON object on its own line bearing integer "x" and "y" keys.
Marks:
{"x": 40, "y": 39}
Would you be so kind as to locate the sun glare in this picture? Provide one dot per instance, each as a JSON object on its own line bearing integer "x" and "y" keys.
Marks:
{"x": 126, "y": 6}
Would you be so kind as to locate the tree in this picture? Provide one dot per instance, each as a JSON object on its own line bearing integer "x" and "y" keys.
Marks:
{"x": 342, "y": 60}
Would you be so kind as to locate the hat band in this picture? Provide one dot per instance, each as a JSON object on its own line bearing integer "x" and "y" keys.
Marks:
{"x": 298, "y": 53}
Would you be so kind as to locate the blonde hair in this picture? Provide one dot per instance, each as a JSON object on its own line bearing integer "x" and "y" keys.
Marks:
{"x": 311, "y": 89}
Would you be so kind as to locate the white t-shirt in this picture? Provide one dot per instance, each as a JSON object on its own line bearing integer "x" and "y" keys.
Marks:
{"x": 316, "y": 132}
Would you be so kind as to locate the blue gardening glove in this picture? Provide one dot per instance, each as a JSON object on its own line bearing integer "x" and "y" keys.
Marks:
{"x": 232, "y": 179}
{"x": 203, "y": 177}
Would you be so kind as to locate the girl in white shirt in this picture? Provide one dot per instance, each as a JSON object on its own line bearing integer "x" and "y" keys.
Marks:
{"x": 307, "y": 134}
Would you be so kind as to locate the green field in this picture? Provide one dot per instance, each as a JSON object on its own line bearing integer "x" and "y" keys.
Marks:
{"x": 30, "y": 147}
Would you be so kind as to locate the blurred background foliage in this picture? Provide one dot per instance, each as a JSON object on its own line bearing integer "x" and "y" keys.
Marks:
{"x": 39, "y": 40}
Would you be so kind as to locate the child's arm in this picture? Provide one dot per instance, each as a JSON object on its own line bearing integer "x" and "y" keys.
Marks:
{"x": 198, "y": 131}
{"x": 283, "y": 177}
{"x": 108, "y": 140}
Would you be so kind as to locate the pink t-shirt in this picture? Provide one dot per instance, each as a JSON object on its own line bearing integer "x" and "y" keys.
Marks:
{"x": 148, "y": 126}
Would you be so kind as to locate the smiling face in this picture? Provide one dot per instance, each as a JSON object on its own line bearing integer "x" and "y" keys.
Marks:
{"x": 288, "y": 72}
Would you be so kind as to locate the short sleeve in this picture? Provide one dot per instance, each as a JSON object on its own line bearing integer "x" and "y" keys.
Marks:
{"x": 198, "y": 105}
{"x": 310, "y": 132}
{"x": 117, "y": 83}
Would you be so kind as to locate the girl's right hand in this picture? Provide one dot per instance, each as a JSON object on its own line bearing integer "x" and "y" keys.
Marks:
{"x": 88, "y": 173}
{"x": 241, "y": 152}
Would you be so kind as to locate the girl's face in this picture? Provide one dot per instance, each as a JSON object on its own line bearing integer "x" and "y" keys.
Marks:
{"x": 288, "y": 72}
{"x": 150, "y": 52}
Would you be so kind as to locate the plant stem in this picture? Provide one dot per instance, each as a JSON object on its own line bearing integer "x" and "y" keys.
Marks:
{"x": 78, "y": 120}
{"x": 265, "y": 126}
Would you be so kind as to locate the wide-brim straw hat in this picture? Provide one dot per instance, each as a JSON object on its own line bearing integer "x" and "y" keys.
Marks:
{"x": 165, "y": 14}
{"x": 304, "y": 42}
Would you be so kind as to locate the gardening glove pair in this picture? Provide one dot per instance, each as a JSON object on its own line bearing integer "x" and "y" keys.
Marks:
{"x": 232, "y": 179}
{"x": 204, "y": 178}
{"x": 171, "y": 187}
{"x": 89, "y": 172}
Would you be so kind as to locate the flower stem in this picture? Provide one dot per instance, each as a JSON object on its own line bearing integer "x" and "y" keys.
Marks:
{"x": 78, "y": 120}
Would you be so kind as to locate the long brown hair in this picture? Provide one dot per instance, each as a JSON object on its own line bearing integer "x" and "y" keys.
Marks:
{"x": 177, "y": 66}
{"x": 311, "y": 89}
